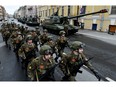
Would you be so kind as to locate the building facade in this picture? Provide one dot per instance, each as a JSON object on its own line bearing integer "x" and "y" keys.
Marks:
{"x": 99, "y": 22}
{"x": 26, "y": 11}
{"x": 2, "y": 13}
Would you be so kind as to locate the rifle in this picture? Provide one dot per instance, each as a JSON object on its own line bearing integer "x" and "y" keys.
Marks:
{"x": 95, "y": 73}
{"x": 76, "y": 68}
{"x": 91, "y": 69}
{"x": 47, "y": 73}
{"x": 36, "y": 75}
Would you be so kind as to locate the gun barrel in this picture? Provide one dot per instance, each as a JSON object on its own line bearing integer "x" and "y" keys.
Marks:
{"x": 101, "y": 11}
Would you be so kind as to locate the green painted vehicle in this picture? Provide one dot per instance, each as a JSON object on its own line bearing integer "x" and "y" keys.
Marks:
{"x": 55, "y": 23}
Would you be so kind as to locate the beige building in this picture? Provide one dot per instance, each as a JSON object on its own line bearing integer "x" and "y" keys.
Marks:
{"x": 45, "y": 11}
{"x": 2, "y": 12}
{"x": 99, "y": 22}
{"x": 26, "y": 11}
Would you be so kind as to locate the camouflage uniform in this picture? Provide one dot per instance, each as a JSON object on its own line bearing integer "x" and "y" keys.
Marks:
{"x": 51, "y": 44}
{"x": 71, "y": 64}
{"x": 25, "y": 31}
{"x": 27, "y": 52}
{"x": 44, "y": 37}
{"x": 35, "y": 39}
{"x": 37, "y": 31}
{"x": 61, "y": 43}
{"x": 2, "y": 32}
{"x": 17, "y": 42}
{"x": 6, "y": 35}
{"x": 40, "y": 65}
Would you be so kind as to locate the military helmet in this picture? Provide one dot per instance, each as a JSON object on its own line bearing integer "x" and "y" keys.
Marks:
{"x": 62, "y": 32}
{"x": 45, "y": 30}
{"x": 76, "y": 45}
{"x": 50, "y": 38}
{"x": 29, "y": 38}
{"x": 45, "y": 49}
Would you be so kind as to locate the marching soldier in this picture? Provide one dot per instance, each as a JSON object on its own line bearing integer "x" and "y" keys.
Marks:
{"x": 27, "y": 52}
{"x": 40, "y": 65}
{"x": 37, "y": 31}
{"x": 61, "y": 43}
{"x": 2, "y": 32}
{"x": 51, "y": 43}
{"x": 25, "y": 31}
{"x": 71, "y": 64}
{"x": 17, "y": 42}
{"x": 6, "y": 35}
{"x": 35, "y": 39}
{"x": 44, "y": 37}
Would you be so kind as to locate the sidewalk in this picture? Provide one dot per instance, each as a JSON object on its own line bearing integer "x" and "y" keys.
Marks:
{"x": 99, "y": 35}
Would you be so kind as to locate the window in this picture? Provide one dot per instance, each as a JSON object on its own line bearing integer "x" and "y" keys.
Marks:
{"x": 39, "y": 13}
{"x": 68, "y": 10}
{"x": 46, "y": 12}
{"x": 49, "y": 12}
{"x": 62, "y": 10}
{"x": 82, "y": 10}
{"x": 53, "y": 9}
{"x": 43, "y": 13}
{"x": 113, "y": 10}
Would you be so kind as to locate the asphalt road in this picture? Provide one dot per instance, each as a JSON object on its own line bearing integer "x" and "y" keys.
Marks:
{"x": 104, "y": 59}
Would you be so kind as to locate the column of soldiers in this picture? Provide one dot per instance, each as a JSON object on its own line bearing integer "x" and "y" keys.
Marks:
{"x": 24, "y": 43}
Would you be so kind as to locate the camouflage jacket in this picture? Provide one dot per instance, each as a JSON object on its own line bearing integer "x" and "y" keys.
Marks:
{"x": 61, "y": 42}
{"x": 43, "y": 38}
{"x": 51, "y": 44}
{"x": 68, "y": 62}
{"x": 25, "y": 48}
{"x": 39, "y": 66}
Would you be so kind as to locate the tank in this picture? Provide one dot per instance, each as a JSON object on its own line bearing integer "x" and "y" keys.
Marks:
{"x": 22, "y": 20}
{"x": 55, "y": 24}
{"x": 32, "y": 21}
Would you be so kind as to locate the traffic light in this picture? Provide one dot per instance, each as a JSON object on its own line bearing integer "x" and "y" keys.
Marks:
{"x": 103, "y": 10}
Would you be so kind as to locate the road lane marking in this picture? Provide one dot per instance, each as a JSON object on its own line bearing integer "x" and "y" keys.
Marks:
{"x": 109, "y": 79}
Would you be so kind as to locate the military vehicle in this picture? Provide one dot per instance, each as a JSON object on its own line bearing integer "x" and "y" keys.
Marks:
{"x": 22, "y": 20}
{"x": 55, "y": 23}
{"x": 32, "y": 21}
